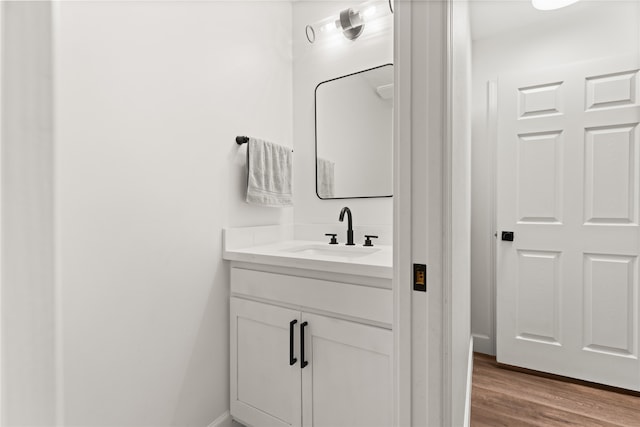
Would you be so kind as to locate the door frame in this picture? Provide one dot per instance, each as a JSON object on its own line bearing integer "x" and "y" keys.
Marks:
{"x": 2, "y": 387}
{"x": 423, "y": 171}
{"x": 402, "y": 390}
{"x": 491, "y": 136}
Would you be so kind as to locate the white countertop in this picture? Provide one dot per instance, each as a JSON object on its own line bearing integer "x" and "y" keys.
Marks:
{"x": 376, "y": 261}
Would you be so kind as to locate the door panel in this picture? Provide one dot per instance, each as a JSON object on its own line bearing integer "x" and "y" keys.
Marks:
{"x": 348, "y": 382}
{"x": 540, "y": 100}
{"x": 610, "y": 175}
{"x": 612, "y": 90}
{"x": 610, "y": 292}
{"x": 540, "y": 194}
{"x": 568, "y": 186}
{"x": 266, "y": 389}
{"x": 538, "y": 304}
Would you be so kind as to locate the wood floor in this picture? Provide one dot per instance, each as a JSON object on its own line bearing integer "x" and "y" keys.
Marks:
{"x": 503, "y": 397}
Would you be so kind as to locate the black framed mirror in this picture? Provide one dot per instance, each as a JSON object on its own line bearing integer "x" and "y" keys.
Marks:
{"x": 354, "y": 135}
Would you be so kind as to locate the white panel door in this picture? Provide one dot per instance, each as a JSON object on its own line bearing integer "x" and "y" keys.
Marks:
{"x": 568, "y": 187}
{"x": 348, "y": 379}
{"x": 265, "y": 381}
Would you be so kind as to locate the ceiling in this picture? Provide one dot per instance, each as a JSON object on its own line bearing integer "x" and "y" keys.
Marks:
{"x": 490, "y": 18}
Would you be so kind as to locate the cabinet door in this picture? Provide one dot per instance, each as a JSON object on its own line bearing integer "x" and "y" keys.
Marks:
{"x": 265, "y": 387}
{"x": 348, "y": 379}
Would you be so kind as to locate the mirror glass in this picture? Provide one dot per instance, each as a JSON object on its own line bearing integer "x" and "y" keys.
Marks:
{"x": 354, "y": 135}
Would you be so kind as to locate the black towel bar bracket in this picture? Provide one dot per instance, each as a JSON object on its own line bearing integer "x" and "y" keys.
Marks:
{"x": 243, "y": 140}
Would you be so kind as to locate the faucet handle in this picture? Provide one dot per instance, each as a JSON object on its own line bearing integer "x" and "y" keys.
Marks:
{"x": 333, "y": 241}
{"x": 367, "y": 241}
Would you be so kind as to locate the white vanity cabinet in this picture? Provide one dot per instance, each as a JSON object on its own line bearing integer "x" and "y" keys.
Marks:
{"x": 344, "y": 377}
{"x": 265, "y": 387}
{"x": 348, "y": 381}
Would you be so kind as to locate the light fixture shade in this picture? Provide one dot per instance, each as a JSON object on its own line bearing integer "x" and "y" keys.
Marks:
{"x": 325, "y": 29}
{"x": 349, "y": 22}
{"x": 375, "y": 9}
{"x": 552, "y": 4}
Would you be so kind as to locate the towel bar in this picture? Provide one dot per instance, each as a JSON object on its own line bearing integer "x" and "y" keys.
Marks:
{"x": 243, "y": 140}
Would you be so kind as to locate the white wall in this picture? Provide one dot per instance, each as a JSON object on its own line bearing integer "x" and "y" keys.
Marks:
{"x": 595, "y": 29}
{"x": 314, "y": 64}
{"x": 28, "y": 297}
{"x": 149, "y": 99}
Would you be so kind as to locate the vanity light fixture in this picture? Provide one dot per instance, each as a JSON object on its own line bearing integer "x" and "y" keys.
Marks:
{"x": 350, "y": 22}
{"x": 552, "y": 4}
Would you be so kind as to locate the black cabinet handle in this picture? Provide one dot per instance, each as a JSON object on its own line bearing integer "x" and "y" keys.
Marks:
{"x": 303, "y": 362}
{"x": 292, "y": 360}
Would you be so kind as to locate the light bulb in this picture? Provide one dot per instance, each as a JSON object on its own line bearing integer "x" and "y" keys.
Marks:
{"x": 374, "y": 9}
{"x": 329, "y": 27}
{"x": 369, "y": 12}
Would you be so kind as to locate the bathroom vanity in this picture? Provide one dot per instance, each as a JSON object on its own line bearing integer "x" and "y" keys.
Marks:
{"x": 311, "y": 341}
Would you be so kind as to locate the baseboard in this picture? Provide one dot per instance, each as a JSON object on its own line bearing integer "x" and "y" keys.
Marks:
{"x": 483, "y": 344}
{"x": 223, "y": 420}
{"x": 467, "y": 406}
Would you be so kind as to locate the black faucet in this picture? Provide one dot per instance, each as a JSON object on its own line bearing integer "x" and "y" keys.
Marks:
{"x": 349, "y": 225}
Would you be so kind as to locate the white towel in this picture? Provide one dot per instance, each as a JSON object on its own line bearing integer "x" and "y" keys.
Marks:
{"x": 325, "y": 178}
{"x": 269, "y": 180}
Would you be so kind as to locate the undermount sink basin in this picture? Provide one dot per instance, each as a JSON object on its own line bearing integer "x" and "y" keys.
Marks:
{"x": 332, "y": 250}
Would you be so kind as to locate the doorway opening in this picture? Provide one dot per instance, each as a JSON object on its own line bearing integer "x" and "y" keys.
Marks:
{"x": 555, "y": 188}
